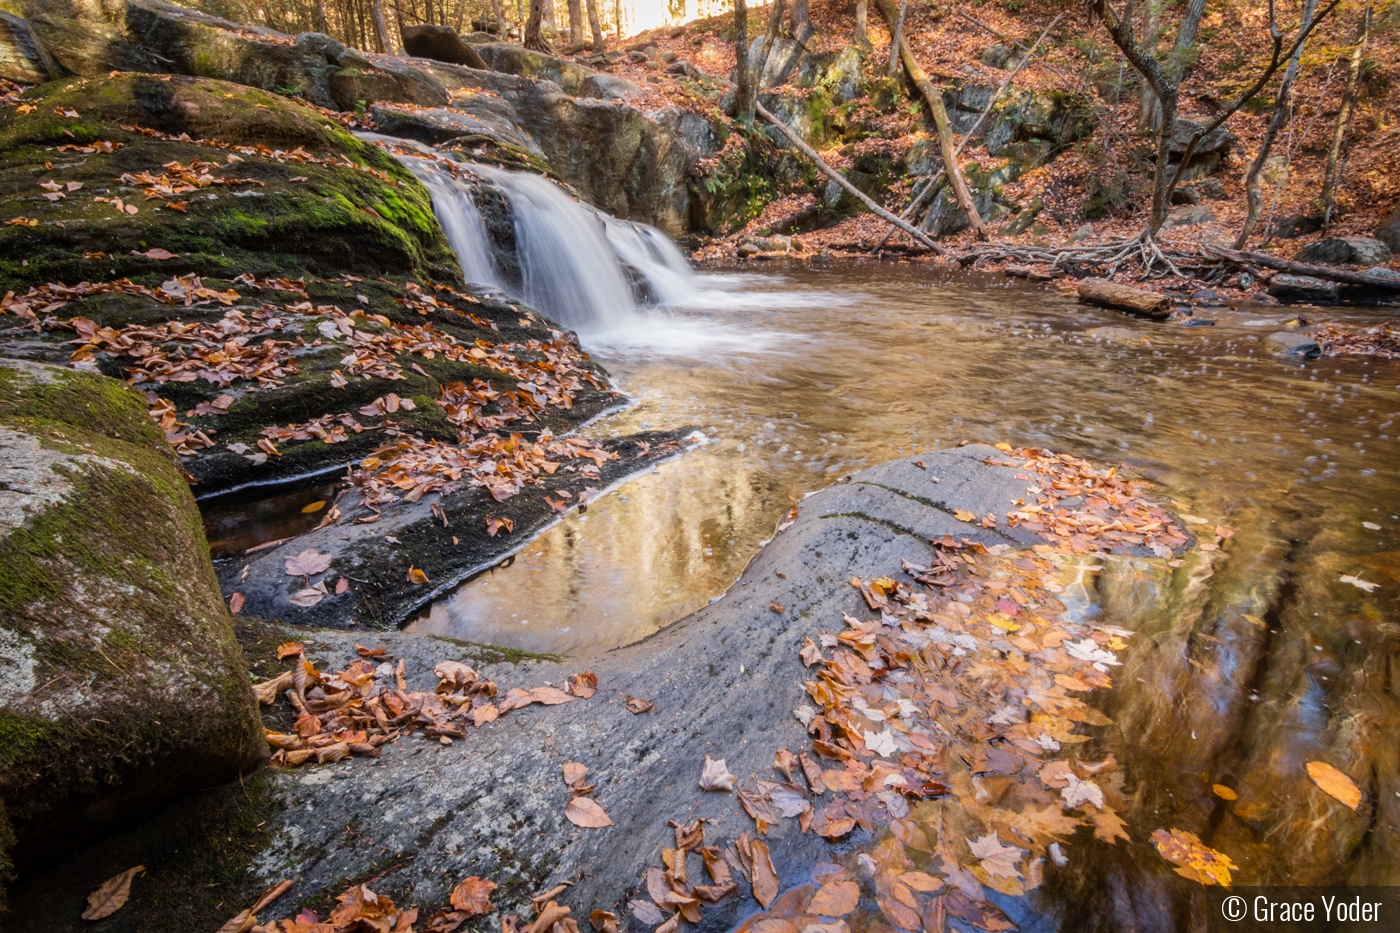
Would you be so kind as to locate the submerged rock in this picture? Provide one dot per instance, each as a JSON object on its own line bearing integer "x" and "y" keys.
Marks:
{"x": 121, "y": 683}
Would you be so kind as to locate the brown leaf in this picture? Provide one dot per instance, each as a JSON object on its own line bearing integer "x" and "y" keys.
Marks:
{"x": 289, "y": 649}
{"x": 269, "y": 690}
{"x": 637, "y": 706}
{"x": 585, "y": 812}
{"x": 235, "y": 604}
{"x": 647, "y": 912}
{"x": 1335, "y": 784}
{"x": 765, "y": 877}
{"x": 1223, "y": 792}
{"x": 158, "y": 253}
{"x": 307, "y": 563}
{"x": 246, "y": 919}
{"x": 583, "y": 685}
{"x": 111, "y": 894}
{"x": 715, "y": 776}
{"x": 575, "y": 773}
{"x": 550, "y": 696}
{"x": 416, "y": 576}
{"x": 472, "y": 896}
{"x": 604, "y": 921}
{"x": 835, "y": 899}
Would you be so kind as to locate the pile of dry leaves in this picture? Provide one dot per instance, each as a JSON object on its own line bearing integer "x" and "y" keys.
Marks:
{"x": 358, "y": 709}
{"x": 1383, "y": 340}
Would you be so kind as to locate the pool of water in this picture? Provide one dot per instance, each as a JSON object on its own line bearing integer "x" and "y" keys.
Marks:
{"x": 800, "y": 375}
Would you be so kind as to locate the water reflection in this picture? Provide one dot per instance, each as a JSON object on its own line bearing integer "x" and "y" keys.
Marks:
{"x": 237, "y": 521}
{"x": 822, "y": 371}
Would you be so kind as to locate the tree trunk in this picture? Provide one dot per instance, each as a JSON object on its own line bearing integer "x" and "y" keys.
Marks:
{"x": 548, "y": 18}
{"x": 318, "y": 17}
{"x": 861, "y": 34}
{"x": 800, "y": 21}
{"x": 844, "y": 182}
{"x": 575, "y": 24}
{"x": 940, "y": 120}
{"x": 745, "y": 94}
{"x": 500, "y": 16}
{"x": 381, "y": 28}
{"x": 595, "y": 26}
{"x": 760, "y": 65}
{"x": 1137, "y": 301}
{"x": 1283, "y": 108}
{"x": 1180, "y": 58}
{"x": 1334, "y": 151}
{"x": 1147, "y": 95}
{"x": 532, "y": 38}
{"x": 893, "y": 68}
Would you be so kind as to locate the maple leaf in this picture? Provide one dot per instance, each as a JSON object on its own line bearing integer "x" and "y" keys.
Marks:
{"x": 1194, "y": 859}
{"x": 881, "y": 743}
{"x": 586, "y": 812}
{"x": 999, "y": 861}
{"x": 963, "y": 515}
{"x": 715, "y": 776}
{"x": 472, "y": 896}
{"x": 306, "y": 564}
{"x": 1077, "y": 793}
{"x": 111, "y": 895}
{"x": 1335, "y": 784}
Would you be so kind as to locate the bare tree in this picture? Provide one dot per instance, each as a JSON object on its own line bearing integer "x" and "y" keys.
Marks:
{"x": 575, "y": 25}
{"x": 500, "y": 16}
{"x": 595, "y": 26}
{"x": 861, "y": 35}
{"x": 1335, "y": 166}
{"x": 800, "y": 21}
{"x": 893, "y": 68}
{"x": 532, "y": 38}
{"x": 381, "y": 28}
{"x": 1168, "y": 88}
{"x": 745, "y": 94}
{"x": 1283, "y": 110}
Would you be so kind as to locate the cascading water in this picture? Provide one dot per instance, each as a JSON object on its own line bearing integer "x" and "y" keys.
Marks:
{"x": 574, "y": 261}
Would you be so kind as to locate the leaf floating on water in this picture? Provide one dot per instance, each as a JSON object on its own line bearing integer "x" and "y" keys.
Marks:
{"x": 1194, "y": 859}
{"x": 835, "y": 899}
{"x": 586, "y": 812}
{"x": 306, "y": 564}
{"x": 1335, "y": 784}
{"x": 313, "y": 507}
{"x": 714, "y": 775}
{"x": 472, "y": 896}
{"x": 111, "y": 895}
{"x": 765, "y": 876}
{"x": 1223, "y": 792}
{"x": 1360, "y": 583}
{"x": 997, "y": 860}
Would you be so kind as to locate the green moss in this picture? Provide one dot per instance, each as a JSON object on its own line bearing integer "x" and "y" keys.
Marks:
{"x": 478, "y": 653}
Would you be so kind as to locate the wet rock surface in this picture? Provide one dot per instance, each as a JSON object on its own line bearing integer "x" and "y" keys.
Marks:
{"x": 121, "y": 684}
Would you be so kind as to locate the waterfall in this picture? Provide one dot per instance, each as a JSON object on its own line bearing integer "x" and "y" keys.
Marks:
{"x": 577, "y": 264}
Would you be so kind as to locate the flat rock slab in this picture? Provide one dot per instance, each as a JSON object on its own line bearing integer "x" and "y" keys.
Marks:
{"x": 724, "y": 683}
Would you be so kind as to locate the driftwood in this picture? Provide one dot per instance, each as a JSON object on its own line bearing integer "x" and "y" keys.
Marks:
{"x": 1302, "y": 268}
{"x": 841, "y": 180}
{"x": 932, "y": 186}
{"x": 934, "y": 98}
{"x": 1138, "y": 301}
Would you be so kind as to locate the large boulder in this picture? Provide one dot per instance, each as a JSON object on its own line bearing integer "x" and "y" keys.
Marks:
{"x": 1208, "y": 154}
{"x": 509, "y": 58}
{"x": 1344, "y": 251}
{"x": 441, "y": 44}
{"x": 121, "y": 683}
{"x": 1303, "y": 288}
{"x": 1389, "y": 232}
{"x": 23, "y": 57}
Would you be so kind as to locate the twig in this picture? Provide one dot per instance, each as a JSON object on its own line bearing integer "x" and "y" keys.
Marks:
{"x": 841, "y": 180}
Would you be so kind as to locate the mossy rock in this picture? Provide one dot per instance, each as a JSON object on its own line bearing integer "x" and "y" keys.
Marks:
{"x": 121, "y": 682}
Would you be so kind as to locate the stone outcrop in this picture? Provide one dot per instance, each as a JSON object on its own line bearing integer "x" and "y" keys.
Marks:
{"x": 121, "y": 683}
{"x": 1389, "y": 233}
{"x": 23, "y": 57}
{"x": 1303, "y": 288}
{"x": 1345, "y": 251}
{"x": 441, "y": 44}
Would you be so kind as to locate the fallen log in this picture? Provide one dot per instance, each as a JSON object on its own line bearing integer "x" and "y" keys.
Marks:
{"x": 1024, "y": 272}
{"x": 1302, "y": 268}
{"x": 841, "y": 180}
{"x": 1137, "y": 301}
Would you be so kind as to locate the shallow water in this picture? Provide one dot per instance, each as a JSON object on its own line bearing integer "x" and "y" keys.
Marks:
{"x": 799, "y": 376}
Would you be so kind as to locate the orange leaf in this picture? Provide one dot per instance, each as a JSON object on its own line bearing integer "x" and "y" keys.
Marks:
{"x": 585, "y": 812}
{"x": 473, "y": 896}
{"x": 111, "y": 894}
{"x": 835, "y": 899}
{"x": 416, "y": 576}
{"x": 289, "y": 648}
{"x": 1335, "y": 784}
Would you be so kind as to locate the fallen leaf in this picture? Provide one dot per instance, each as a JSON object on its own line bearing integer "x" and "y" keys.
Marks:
{"x": 158, "y": 253}
{"x": 765, "y": 877}
{"x": 269, "y": 690}
{"x": 1194, "y": 859}
{"x": 316, "y": 506}
{"x": 603, "y": 921}
{"x": 550, "y": 696}
{"x": 416, "y": 576}
{"x": 472, "y": 896}
{"x": 999, "y": 861}
{"x": 494, "y": 525}
{"x": 575, "y": 773}
{"x": 306, "y": 598}
{"x": 921, "y": 881}
{"x": 289, "y": 649}
{"x": 583, "y": 685}
{"x": 1223, "y": 792}
{"x": 715, "y": 776}
{"x": 835, "y": 899}
{"x": 637, "y": 706}
{"x": 963, "y": 515}
{"x": 646, "y": 911}
{"x": 307, "y": 563}
{"x": 1370, "y": 526}
{"x": 586, "y": 812}
{"x": 342, "y": 585}
{"x": 1335, "y": 784}
{"x": 235, "y": 604}
{"x": 1361, "y": 584}
{"x": 111, "y": 894}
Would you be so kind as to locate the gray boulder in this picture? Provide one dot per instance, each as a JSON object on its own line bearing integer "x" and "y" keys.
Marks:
{"x": 1389, "y": 232}
{"x": 609, "y": 87}
{"x": 1345, "y": 250}
{"x": 23, "y": 57}
{"x": 512, "y": 59}
{"x": 121, "y": 683}
{"x": 440, "y": 43}
{"x": 1294, "y": 344}
{"x": 1190, "y": 215}
{"x": 1303, "y": 288}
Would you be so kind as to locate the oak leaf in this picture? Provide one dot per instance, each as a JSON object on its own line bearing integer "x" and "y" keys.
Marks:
{"x": 111, "y": 894}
